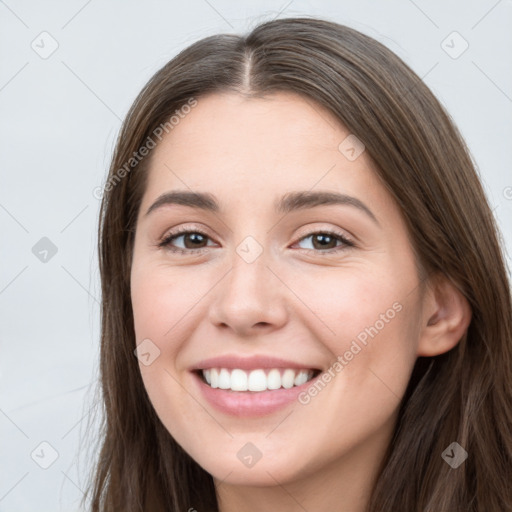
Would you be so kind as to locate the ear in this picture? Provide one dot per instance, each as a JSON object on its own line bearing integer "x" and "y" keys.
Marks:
{"x": 446, "y": 317}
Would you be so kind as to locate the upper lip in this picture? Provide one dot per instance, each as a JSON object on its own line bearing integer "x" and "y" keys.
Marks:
{"x": 249, "y": 363}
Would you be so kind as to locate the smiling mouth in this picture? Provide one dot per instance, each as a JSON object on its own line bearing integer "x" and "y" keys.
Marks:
{"x": 267, "y": 379}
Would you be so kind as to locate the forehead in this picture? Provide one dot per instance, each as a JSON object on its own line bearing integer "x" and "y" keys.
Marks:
{"x": 259, "y": 148}
{"x": 228, "y": 124}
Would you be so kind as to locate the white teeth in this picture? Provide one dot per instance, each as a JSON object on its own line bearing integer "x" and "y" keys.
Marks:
{"x": 301, "y": 378}
{"x": 287, "y": 379}
{"x": 224, "y": 379}
{"x": 274, "y": 379}
{"x": 214, "y": 376}
{"x": 256, "y": 380}
{"x": 238, "y": 380}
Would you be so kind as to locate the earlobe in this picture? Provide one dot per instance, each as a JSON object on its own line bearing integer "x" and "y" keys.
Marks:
{"x": 447, "y": 315}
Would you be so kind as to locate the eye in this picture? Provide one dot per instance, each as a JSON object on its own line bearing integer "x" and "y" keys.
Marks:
{"x": 196, "y": 238}
{"x": 321, "y": 241}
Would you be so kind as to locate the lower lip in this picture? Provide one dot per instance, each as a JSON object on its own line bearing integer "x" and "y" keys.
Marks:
{"x": 250, "y": 403}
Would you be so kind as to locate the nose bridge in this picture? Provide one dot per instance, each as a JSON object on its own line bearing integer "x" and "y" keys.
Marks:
{"x": 249, "y": 277}
{"x": 249, "y": 294}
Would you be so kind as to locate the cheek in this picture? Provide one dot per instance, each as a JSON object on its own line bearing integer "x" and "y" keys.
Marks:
{"x": 370, "y": 330}
{"x": 357, "y": 305}
{"x": 163, "y": 311}
{"x": 162, "y": 302}
{"x": 166, "y": 310}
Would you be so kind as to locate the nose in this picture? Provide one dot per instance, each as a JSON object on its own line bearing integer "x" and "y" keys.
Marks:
{"x": 250, "y": 298}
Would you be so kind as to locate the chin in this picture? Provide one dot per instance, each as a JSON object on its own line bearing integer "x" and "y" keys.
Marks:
{"x": 244, "y": 465}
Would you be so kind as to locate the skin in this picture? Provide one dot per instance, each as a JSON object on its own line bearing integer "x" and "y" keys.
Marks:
{"x": 292, "y": 302}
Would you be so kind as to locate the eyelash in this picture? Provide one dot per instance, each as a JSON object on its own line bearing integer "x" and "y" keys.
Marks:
{"x": 166, "y": 242}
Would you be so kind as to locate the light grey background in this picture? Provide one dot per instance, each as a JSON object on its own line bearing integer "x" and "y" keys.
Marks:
{"x": 59, "y": 118}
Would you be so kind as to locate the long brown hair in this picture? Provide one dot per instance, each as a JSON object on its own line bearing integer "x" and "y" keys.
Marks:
{"x": 464, "y": 395}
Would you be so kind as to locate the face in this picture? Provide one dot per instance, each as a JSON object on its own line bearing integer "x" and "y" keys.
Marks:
{"x": 256, "y": 290}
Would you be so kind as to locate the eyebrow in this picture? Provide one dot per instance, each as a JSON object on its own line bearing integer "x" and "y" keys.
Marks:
{"x": 291, "y": 201}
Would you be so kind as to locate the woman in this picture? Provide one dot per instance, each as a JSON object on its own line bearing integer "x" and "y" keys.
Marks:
{"x": 305, "y": 303}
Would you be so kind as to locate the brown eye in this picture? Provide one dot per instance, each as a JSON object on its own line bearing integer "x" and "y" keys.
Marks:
{"x": 326, "y": 241}
{"x": 192, "y": 240}
{"x": 196, "y": 239}
{"x": 321, "y": 241}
